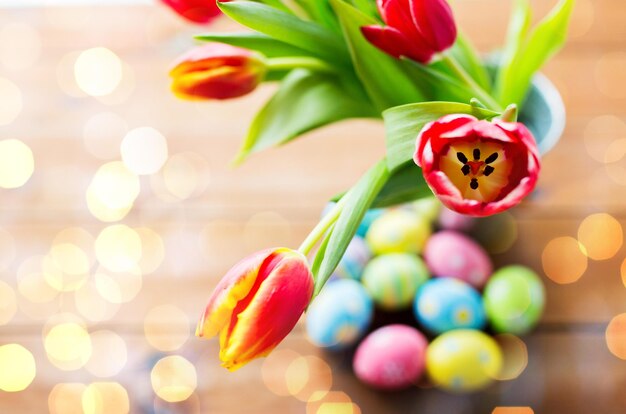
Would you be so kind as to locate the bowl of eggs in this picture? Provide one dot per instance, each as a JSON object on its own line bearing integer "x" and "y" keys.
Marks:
{"x": 415, "y": 300}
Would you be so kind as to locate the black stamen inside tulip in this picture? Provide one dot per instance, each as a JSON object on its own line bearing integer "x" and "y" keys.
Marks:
{"x": 491, "y": 158}
{"x": 474, "y": 184}
{"x": 488, "y": 170}
{"x": 476, "y": 154}
{"x": 461, "y": 157}
{"x": 466, "y": 169}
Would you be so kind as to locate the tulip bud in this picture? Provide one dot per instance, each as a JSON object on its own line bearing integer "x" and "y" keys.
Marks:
{"x": 417, "y": 29}
{"x": 257, "y": 304}
{"x": 478, "y": 168}
{"x": 217, "y": 71}
{"x": 197, "y": 11}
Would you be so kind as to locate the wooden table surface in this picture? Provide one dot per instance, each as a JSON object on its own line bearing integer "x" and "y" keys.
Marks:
{"x": 274, "y": 199}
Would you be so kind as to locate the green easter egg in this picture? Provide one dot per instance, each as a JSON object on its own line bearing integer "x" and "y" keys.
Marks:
{"x": 393, "y": 279}
{"x": 398, "y": 231}
{"x": 514, "y": 299}
{"x": 463, "y": 360}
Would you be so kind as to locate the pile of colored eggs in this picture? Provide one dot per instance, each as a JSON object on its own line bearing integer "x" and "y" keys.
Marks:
{"x": 416, "y": 257}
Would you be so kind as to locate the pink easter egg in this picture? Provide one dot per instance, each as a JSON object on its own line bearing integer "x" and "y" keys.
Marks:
{"x": 452, "y": 254}
{"x": 451, "y": 220}
{"x": 391, "y": 357}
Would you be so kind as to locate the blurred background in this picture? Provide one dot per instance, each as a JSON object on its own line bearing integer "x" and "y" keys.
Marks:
{"x": 119, "y": 212}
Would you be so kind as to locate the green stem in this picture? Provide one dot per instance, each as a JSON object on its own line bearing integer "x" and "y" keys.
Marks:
{"x": 322, "y": 227}
{"x": 509, "y": 114}
{"x": 462, "y": 74}
{"x": 303, "y": 62}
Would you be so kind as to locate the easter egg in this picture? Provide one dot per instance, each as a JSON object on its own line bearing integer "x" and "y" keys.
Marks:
{"x": 340, "y": 315}
{"x": 427, "y": 207}
{"x": 354, "y": 260}
{"x": 452, "y": 254}
{"x": 514, "y": 300}
{"x": 398, "y": 231}
{"x": 391, "y": 357}
{"x": 445, "y": 304}
{"x": 368, "y": 219}
{"x": 393, "y": 279}
{"x": 463, "y": 360}
{"x": 451, "y": 220}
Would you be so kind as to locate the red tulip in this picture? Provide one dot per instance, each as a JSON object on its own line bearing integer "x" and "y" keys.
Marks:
{"x": 217, "y": 71}
{"x": 477, "y": 167}
{"x": 417, "y": 29}
{"x": 197, "y": 11}
{"x": 257, "y": 304}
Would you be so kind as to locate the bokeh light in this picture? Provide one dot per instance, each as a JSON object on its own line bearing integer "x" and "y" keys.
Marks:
{"x": 20, "y": 46}
{"x": 512, "y": 410}
{"x": 105, "y": 398}
{"x": 153, "y": 250}
{"x": 7, "y": 249}
{"x": 601, "y": 135}
{"x": 66, "y": 267}
{"x": 109, "y": 354}
{"x": 68, "y": 345}
{"x": 16, "y": 161}
{"x": 18, "y": 368}
{"x": 564, "y": 260}
{"x": 166, "y": 327}
{"x": 103, "y": 134}
{"x": 309, "y": 378}
{"x": 98, "y": 71}
{"x": 515, "y": 354}
{"x": 118, "y": 287}
{"x": 118, "y": 248}
{"x": 11, "y": 101}
{"x": 583, "y": 18}
{"x": 174, "y": 378}
{"x": 274, "y": 370}
{"x": 8, "y": 303}
{"x": 92, "y": 305}
{"x": 616, "y": 336}
{"x": 66, "y": 398}
{"x": 335, "y": 402}
{"x": 112, "y": 191}
{"x": 602, "y": 236}
{"x": 183, "y": 176}
{"x": 608, "y": 74}
{"x": 144, "y": 150}
{"x": 31, "y": 282}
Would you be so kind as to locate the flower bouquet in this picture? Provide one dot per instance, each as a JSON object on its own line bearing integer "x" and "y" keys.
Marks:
{"x": 450, "y": 115}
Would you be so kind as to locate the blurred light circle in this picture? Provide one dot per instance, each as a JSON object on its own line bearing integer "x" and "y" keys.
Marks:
{"x": 118, "y": 287}
{"x": 564, "y": 260}
{"x": 115, "y": 186}
{"x": 98, "y": 71}
{"x": 68, "y": 345}
{"x": 7, "y": 249}
{"x": 66, "y": 267}
{"x": 118, "y": 248}
{"x": 16, "y": 161}
{"x": 512, "y": 410}
{"x": 80, "y": 238}
{"x": 65, "y": 75}
{"x": 124, "y": 89}
{"x": 20, "y": 46}
{"x": 144, "y": 150}
{"x": 101, "y": 211}
{"x": 335, "y": 402}
{"x": 616, "y": 336}
{"x": 31, "y": 282}
{"x": 608, "y": 74}
{"x": 109, "y": 354}
{"x": 103, "y": 134}
{"x": 153, "y": 250}
{"x": 601, "y": 133}
{"x": 174, "y": 378}
{"x": 66, "y": 398}
{"x": 515, "y": 356}
{"x": 602, "y": 236}
{"x": 582, "y": 18}
{"x": 92, "y": 305}
{"x": 105, "y": 398}
{"x": 190, "y": 406}
{"x": 274, "y": 370}
{"x": 8, "y": 303}
{"x": 184, "y": 175}
{"x": 166, "y": 327}
{"x": 309, "y": 378}
{"x": 18, "y": 368}
{"x": 10, "y": 102}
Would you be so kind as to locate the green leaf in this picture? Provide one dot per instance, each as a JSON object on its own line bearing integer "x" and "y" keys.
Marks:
{"x": 437, "y": 84}
{"x": 384, "y": 78}
{"x": 321, "y": 12}
{"x": 261, "y": 43}
{"x": 463, "y": 51}
{"x": 355, "y": 203}
{"x": 305, "y": 101}
{"x": 289, "y": 29}
{"x": 404, "y": 123}
{"x": 543, "y": 42}
{"x": 406, "y": 184}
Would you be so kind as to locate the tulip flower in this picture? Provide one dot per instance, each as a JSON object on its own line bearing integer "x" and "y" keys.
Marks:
{"x": 257, "y": 304}
{"x": 197, "y": 11}
{"x": 417, "y": 29}
{"x": 217, "y": 71}
{"x": 478, "y": 168}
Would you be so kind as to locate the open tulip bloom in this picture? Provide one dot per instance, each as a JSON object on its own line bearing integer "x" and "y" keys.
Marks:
{"x": 450, "y": 119}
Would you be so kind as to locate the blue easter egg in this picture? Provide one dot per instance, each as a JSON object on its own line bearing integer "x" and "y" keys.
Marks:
{"x": 354, "y": 260}
{"x": 444, "y": 304}
{"x": 367, "y": 221}
{"x": 340, "y": 315}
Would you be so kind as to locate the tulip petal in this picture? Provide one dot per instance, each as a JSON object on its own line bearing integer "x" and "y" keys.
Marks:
{"x": 435, "y": 23}
{"x": 394, "y": 43}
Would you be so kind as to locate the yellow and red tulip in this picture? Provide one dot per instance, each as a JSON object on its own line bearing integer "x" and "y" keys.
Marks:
{"x": 257, "y": 304}
{"x": 478, "y": 168}
{"x": 217, "y": 71}
{"x": 417, "y": 29}
{"x": 197, "y": 11}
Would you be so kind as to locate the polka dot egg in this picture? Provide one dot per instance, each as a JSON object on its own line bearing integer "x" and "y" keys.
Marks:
{"x": 340, "y": 315}
{"x": 445, "y": 304}
{"x": 398, "y": 231}
{"x": 354, "y": 260}
{"x": 393, "y": 279}
{"x": 452, "y": 254}
{"x": 391, "y": 357}
{"x": 463, "y": 360}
